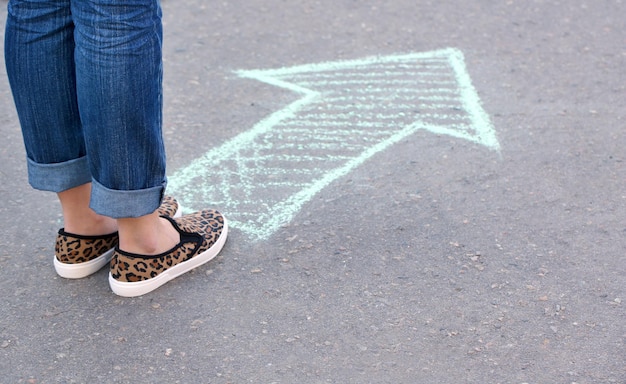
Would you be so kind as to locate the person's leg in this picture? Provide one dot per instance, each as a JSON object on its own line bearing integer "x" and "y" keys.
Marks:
{"x": 119, "y": 83}
{"x": 147, "y": 235}
{"x": 39, "y": 52}
{"x": 119, "y": 92}
{"x": 79, "y": 218}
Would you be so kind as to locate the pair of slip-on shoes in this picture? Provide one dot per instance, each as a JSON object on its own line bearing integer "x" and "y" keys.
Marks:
{"x": 202, "y": 236}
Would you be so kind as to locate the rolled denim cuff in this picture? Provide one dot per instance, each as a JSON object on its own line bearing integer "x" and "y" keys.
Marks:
{"x": 125, "y": 204}
{"x": 58, "y": 177}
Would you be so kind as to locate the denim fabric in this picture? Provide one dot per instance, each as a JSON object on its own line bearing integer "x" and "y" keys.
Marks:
{"x": 86, "y": 77}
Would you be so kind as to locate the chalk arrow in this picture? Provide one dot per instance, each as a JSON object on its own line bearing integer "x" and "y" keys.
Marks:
{"x": 348, "y": 111}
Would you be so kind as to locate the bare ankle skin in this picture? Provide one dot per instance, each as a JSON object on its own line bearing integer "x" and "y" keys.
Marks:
{"x": 147, "y": 235}
{"x": 79, "y": 218}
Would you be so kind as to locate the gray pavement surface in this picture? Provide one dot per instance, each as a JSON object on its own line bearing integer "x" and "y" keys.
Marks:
{"x": 435, "y": 261}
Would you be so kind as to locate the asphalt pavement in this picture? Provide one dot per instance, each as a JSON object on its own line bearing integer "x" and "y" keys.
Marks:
{"x": 420, "y": 192}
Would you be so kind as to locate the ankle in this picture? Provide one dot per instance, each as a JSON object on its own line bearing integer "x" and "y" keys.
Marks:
{"x": 147, "y": 235}
{"x": 79, "y": 218}
{"x": 89, "y": 224}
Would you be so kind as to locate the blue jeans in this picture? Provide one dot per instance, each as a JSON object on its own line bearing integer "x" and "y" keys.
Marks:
{"x": 86, "y": 77}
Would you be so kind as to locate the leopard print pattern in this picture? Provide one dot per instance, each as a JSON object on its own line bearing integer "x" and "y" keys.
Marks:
{"x": 74, "y": 249}
{"x": 198, "y": 232}
{"x": 208, "y": 223}
{"x": 168, "y": 206}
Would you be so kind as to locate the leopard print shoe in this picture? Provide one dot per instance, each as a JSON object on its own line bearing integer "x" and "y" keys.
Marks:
{"x": 202, "y": 236}
{"x": 78, "y": 256}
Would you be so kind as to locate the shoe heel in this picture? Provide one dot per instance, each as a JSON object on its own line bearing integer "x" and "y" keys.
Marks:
{"x": 78, "y": 271}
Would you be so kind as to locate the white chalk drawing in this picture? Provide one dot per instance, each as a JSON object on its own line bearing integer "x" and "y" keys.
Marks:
{"x": 347, "y": 112}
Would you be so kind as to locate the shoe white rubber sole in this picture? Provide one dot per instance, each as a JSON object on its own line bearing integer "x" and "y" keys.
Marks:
{"x": 80, "y": 270}
{"x": 133, "y": 289}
